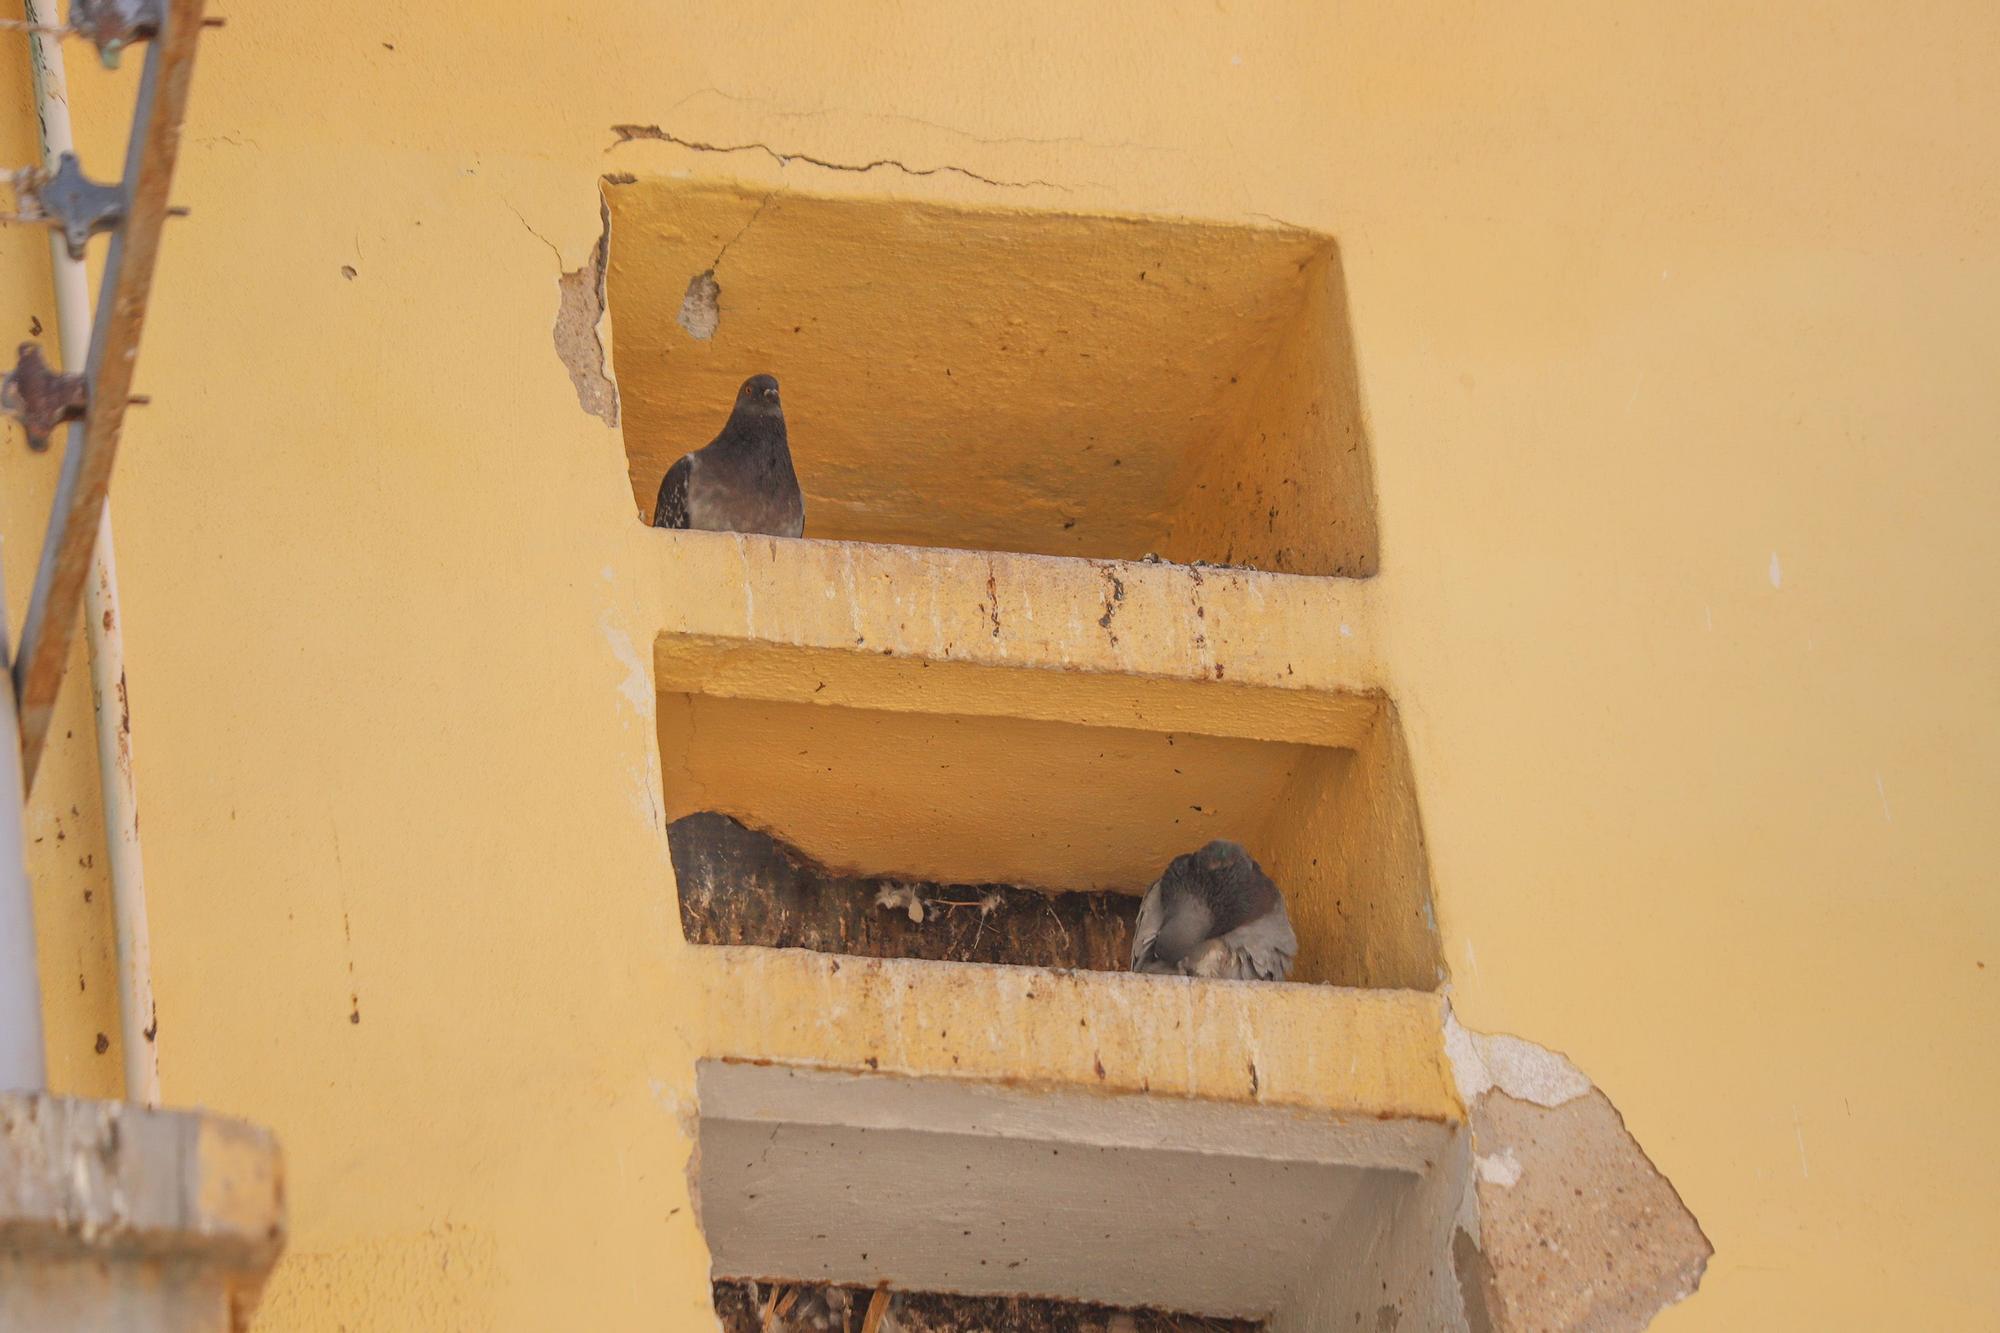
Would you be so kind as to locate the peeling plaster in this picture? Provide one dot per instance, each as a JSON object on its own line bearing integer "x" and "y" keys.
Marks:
{"x": 637, "y": 686}
{"x": 701, "y": 308}
{"x": 579, "y": 335}
{"x": 1521, "y": 1069}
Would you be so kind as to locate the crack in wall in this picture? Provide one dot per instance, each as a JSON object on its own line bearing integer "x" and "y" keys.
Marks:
{"x": 628, "y": 133}
{"x": 763, "y": 204}
{"x": 701, "y": 305}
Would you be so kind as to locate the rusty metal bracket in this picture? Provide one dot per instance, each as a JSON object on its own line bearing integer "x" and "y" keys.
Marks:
{"x": 40, "y": 398}
{"x": 71, "y": 201}
{"x": 53, "y": 609}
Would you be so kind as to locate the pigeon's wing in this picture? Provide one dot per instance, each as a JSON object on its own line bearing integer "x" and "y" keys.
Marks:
{"x": 1264, "y": 948}
{"x": 671, "y": 509}
{"x": 1152, "y": 916}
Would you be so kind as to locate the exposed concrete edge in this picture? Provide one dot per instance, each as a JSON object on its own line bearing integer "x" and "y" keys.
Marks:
{"x": 581, "y": 315}
{"x": 1566, "y": 1222}
{"x": 1122, "y": 618}
{"x": 800, "y": 1095}
{"x": 102, "y": 1179}
{"x": 1315, "y": 1048}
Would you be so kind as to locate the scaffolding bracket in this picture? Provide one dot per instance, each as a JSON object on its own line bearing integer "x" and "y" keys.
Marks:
{"x": 135, "y": 213}
{"x": 69, "y": 201}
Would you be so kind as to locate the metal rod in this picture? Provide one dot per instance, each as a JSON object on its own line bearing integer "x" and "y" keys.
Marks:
{"x": 105, "y": 625}
{"x": 64, "y": 572}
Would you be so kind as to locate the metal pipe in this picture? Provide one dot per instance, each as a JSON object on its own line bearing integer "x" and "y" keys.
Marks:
{"x": 23, "y": 1067}
{"x": 103, "y": 623}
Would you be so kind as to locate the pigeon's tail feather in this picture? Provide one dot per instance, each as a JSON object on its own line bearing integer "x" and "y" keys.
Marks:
{"x": 1152, "y": 916}
{"x": 671, "y": 509}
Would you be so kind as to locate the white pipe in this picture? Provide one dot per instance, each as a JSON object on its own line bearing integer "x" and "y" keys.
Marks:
{"x": 104, "y": 625}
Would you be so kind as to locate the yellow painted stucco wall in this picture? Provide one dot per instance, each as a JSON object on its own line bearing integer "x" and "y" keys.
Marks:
{"x": 1675, "y": 330}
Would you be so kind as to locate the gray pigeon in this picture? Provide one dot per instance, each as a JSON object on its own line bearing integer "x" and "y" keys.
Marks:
{"x": 1215, "y": 913}
{"x": 742, "y": 481}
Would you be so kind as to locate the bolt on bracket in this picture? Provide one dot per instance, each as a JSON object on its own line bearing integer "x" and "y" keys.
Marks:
{"x": 69, "y": 201}
{"x": 40, "y": 398}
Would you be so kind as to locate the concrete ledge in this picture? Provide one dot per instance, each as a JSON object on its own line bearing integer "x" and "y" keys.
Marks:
{"x": 1324, "y": 1049}
{"x": 117, "y": 1216}
{"x": 1150, "y": 621}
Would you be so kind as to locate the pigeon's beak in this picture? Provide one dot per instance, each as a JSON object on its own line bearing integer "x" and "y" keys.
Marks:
{"x": 770, "y": 395}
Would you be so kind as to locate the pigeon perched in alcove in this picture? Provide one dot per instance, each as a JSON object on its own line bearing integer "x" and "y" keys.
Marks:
{"x": 741, "y": 481}
{"x": 1215, "y": 913}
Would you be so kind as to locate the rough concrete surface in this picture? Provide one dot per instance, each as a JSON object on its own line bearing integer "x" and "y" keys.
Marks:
{"x": 117, "y": 1217}
{"x": 1580, "y": 1230}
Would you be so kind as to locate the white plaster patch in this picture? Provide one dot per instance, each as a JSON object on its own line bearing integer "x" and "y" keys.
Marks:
{"x": 637, "y": 687}
{"x": 648, "y": 784}
{"x": 1883, "y": 792}
{"x": 1521, "y": 1069}
{"x": 1777, "y": 572}
{"x": 1502, "y": 1169}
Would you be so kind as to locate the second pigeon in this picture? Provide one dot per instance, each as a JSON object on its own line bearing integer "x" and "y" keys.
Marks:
{"x": 1215, "y": 913}
{"x": 742, "y": 480}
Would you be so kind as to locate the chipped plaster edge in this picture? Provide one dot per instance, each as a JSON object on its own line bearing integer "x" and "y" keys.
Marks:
{"x": 1524, "y": 1071}
{"x": 582, "y": 327}
{"x": 1663, "y": 1268}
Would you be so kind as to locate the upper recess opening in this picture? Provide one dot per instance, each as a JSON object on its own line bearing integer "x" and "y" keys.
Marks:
{"x": 1004, "y": 380}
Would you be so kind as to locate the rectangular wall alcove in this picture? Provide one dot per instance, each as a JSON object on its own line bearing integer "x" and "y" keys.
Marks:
{"x": 959, "y": 720}
{"x": 1001, "y": 379}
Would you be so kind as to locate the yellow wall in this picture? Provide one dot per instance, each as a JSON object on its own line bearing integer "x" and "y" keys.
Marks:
{"x": 1675, "y": 329}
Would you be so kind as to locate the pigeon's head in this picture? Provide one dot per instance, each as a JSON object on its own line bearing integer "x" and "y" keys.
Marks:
{"x": 1220, "y": 861}
{"x": 758, "y": 397}
{"x": 1220, "y": 857}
